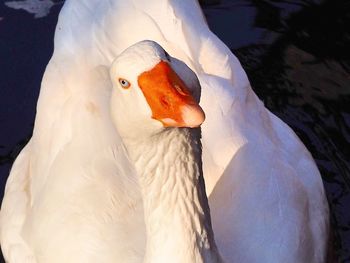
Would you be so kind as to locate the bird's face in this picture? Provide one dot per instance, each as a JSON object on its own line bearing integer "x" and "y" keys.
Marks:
{"x": 148, "y": 93}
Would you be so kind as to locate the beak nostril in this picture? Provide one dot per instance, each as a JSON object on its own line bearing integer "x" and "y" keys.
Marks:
{"x": 164, "y": 101}
{"x": 180, "y": 90}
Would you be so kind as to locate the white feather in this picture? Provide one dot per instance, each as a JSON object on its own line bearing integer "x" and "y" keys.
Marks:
{"x": 266, "y": 195}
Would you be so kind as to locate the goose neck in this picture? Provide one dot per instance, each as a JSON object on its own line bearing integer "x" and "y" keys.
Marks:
{"x": 176, "y": 208}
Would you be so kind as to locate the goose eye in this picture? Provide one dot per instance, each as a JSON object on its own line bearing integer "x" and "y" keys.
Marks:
{"x": 124, "y": 83}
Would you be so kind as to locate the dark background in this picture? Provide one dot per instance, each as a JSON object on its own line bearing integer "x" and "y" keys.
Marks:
{"x": 295, "y": 52}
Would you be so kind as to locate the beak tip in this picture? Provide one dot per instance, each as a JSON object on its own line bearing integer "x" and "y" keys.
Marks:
{"x": 193, "y": 116}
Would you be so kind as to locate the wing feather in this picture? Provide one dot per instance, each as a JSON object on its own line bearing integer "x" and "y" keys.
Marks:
{"x": 14, "y": 208}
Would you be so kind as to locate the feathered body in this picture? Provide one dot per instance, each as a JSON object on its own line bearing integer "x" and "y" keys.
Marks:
{"x": 265, "y": 193}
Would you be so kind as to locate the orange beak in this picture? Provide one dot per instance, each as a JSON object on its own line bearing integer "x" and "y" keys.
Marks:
{"x": 170, "y": 100}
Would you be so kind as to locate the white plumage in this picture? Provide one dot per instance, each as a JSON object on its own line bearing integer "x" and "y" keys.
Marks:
{"x": 265, "y": 193}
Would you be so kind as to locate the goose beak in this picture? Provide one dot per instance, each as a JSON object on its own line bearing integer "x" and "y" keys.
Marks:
{"x": 169, "y": 99}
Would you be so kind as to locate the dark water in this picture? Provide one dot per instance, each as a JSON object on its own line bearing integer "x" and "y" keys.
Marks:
{"x": 295, "y": 52}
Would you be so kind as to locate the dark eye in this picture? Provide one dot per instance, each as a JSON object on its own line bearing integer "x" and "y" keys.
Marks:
{"x": 124, "y": 83}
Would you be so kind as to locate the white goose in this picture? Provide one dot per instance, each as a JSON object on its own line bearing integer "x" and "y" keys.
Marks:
{"x": 265, "y": 193}
{"x": 91, "y": 210}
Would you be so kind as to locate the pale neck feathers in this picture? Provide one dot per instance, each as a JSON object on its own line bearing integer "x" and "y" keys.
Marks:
{"x": 176, "y": 207}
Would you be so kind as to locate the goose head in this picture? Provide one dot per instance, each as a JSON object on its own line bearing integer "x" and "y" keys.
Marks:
{"x": 153, "y": 91}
